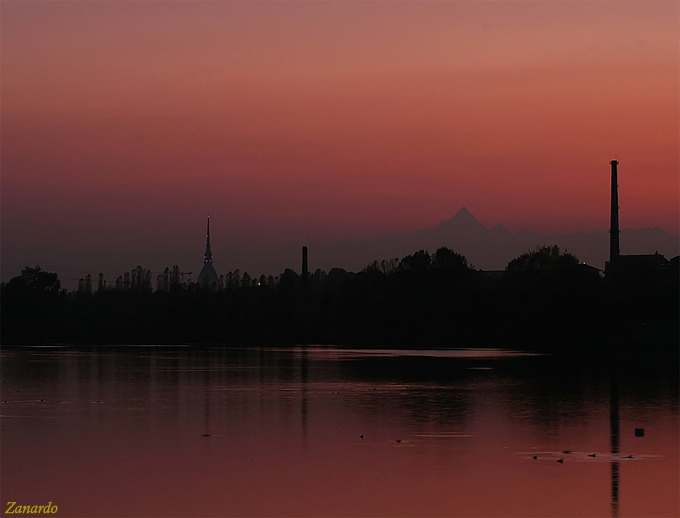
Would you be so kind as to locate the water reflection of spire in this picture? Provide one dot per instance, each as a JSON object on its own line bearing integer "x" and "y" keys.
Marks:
{"x": 207, "y": 402}
{"x": 614, "y": 435}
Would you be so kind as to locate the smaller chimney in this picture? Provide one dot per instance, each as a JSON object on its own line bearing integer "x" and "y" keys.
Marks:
{"x": 305, "y": 269}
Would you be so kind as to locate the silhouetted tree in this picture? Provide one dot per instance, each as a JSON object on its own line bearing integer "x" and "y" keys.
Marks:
{"x": 422, "y": 299}
{"x": 447, "y": 259}
{"x": 36, "y": 281}
{"x": 30, "y": 307}
{"x": 421, "y": 261}
{"x": 389, "y": 266}
{"x": 549, "y": 291}
{"x": 543, "y": 259}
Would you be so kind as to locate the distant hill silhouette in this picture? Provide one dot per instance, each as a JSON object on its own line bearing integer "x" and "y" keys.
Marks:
{"x": 489, "y": 249}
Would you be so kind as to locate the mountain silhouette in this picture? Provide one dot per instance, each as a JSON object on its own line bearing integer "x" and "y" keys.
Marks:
{"x": 485, "y": 248}
{"x": 488, "y": 249}
{"x": 462, "y": 224}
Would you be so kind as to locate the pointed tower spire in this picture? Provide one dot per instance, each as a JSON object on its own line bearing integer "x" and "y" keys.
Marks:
{"x": 208, "y": 277}
{"x": 208, "y": 252}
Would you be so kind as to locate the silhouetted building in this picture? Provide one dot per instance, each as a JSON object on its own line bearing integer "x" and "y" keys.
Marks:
{"x": 626, "y": 264}
{"x": 638, "y": 264}
{"x": 591, "y": 270}
{"x": 208, "y": 276}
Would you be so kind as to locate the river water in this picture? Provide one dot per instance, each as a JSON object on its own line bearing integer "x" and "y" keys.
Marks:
{"x": 328, "y": 431}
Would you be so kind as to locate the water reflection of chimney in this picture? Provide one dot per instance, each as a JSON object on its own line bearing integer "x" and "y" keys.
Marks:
{"x": 614, "y": 435}
{"x": 305, "y": 295}
{"x": 303, "y": 398}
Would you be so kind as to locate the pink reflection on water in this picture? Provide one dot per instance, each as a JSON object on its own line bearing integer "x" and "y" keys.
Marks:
{"x": 278, "y": 433}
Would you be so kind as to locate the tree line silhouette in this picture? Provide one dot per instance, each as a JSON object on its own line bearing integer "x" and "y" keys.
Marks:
{"x": 544, "y": 299}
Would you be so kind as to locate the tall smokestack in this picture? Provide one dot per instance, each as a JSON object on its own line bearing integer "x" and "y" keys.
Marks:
{"x": 208, "y": 252}
{"x": 614, "y": 250}
{"x": 305, "y": 268}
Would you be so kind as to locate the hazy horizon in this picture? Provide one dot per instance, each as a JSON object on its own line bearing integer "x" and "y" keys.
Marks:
{"x": 255, "y": 257}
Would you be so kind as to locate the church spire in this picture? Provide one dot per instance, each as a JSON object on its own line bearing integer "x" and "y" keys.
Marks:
{"x": 208, "y": 277}
{"x": 208, "y": 253}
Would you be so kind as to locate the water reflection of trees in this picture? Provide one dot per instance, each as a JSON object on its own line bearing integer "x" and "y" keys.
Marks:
{"x": 556, "y": 391}
{"x": 547, "y": 392}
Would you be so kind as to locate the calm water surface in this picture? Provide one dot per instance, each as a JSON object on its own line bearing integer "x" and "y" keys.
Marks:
{"x": 322, "y": 431}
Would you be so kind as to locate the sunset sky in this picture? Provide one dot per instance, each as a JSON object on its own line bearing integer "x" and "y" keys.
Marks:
{"x": 124, "y": 123}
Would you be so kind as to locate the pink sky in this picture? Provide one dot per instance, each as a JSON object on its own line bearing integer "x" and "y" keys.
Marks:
{"x": 124, "y": 123}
